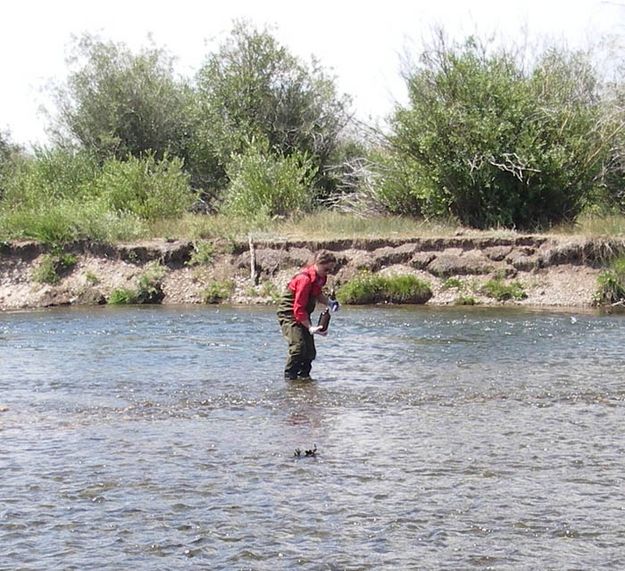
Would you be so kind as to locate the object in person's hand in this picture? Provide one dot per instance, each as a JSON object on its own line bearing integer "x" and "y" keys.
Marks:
{"x": 324, "y": 320}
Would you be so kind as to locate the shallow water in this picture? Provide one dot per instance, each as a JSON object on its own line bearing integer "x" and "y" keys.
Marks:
{"x": 164, "y": 438}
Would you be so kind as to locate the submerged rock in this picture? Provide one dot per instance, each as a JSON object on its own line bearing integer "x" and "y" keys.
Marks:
{"x": 307, "y": 453}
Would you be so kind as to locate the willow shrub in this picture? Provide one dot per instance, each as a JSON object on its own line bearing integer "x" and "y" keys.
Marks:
{"x": 253, "y": 87}
{"x": 117, "y": 103}
{"x": 58, "y": 196}
{"x": 369, "y": 288}
{"x": 45, "y": 195}
{"x": 265, "y": 184}
{"x": 495, "y": 144}
{"x": 147, "y": 187}
{"x": 49, "y": 176}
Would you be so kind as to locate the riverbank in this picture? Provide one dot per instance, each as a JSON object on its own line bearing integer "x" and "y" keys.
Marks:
{"x": 552, "y": 271}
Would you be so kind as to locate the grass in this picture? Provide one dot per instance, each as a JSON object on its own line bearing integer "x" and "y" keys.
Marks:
{"x": 149, "y": 288}
{"x": 501, "y": 291}
{"x": 319, "y": 225}
{"x": 371, "y": 288}
{"x": 45, "y": 272}
{"x": 269, "y": 289}
{"x": 91, "y": 278}
{"x": 122, "y": 296}
{"x": 218, "y": 291}
{"x": 595, "y": 225}
{"x": 69, "y": 220}
{"x": 611, "y": 284}
{"x": 334, "y": 225}
{"x": 53, "y": 266}
{"x": 203, "y": 254}
{"x": 315, "y": 226}
{"x": 453, "y": 283}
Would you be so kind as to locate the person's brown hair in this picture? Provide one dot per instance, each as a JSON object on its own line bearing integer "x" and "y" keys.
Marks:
{"x": 323, "y": 257}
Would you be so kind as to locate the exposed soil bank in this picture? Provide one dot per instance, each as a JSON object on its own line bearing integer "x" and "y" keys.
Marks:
{"x": 554, "y": 271}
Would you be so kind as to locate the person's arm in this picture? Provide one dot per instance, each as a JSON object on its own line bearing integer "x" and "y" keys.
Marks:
{"x": 302, "y": 293}
{"x": 303, "y": 289}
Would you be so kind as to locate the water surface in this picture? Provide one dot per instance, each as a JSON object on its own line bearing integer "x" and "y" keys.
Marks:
{"x": 164, "y": 438}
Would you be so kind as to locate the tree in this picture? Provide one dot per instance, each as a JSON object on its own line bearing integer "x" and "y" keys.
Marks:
{"x": 116, "y": 103}
{"x": 495, "y": 144}
{"x": 253, "y": 88}
{"x": 9, "y": 151}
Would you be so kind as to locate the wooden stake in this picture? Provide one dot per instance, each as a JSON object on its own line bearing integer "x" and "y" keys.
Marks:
{"x": 253, "y": 276}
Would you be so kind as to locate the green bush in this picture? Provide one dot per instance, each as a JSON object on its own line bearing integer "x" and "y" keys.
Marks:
{"x": 203, "y": 253}
{"x": 611, "y": 284}
{"x": 117, "y": 103}
{"x": 52, "y": 266}
{"x": 397, "y": 184}
{"x": 145, "y": 187}
{"x": 10, "y": 153}
{"x": 502, "y": 291}
{"x": 122, "y": 296}
{"x": 49, "y": 176}
{"x": 369, "y": 288}
{"x": 494, "y": 142}
{"x": 253, "y": 87}
{"x": 150, "y": 285}
{"x": 53, "y": 197}
{"x": 217, "y": 291}
{"x": 53, "y": 225}
{"x": 263, "y": 184}
{"x": 69, "y": 220}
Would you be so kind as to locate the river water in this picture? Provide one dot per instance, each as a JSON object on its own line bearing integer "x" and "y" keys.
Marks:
{"x": 164, "y": 438}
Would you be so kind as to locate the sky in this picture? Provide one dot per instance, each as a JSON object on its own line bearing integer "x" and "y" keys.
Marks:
{"x": 361, "y": 44}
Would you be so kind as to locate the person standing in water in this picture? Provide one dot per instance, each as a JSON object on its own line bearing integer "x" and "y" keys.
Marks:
{"x": 298, "y": 302}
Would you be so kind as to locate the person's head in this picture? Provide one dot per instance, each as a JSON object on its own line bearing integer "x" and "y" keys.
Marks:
{"x": 324, "y": 262}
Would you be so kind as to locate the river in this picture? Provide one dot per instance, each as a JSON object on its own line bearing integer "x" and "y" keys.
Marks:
{"x": 160, "y": 438}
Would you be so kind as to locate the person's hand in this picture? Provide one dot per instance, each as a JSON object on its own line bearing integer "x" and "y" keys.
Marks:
{"x": 317, "y": 330}
{"x": 333, "y": 305}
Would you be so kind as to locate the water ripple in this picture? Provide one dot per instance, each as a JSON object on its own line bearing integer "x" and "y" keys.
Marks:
{"x": 159, "y": 438}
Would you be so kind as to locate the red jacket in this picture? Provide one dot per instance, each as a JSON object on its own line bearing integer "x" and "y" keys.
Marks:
{"x": 305, "y": 285}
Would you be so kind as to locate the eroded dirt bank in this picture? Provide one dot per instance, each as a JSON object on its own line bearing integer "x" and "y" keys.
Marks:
{"x": 553, "y": 271}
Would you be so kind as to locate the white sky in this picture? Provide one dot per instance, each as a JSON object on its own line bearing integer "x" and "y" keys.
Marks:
{"x": 361, "y": 43}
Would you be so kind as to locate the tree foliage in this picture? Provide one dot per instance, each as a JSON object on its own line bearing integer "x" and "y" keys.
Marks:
{"x": 264, "y": 184}
{"x": 57, "y": 195}
{"x": 116, "y": 103}
{"x": 148, "y": 188}
{"x": 9, "y": 153}
{"x": 7, "y": 149}
{"x": 253, "y": 88}
{"x": 497, "y": 145}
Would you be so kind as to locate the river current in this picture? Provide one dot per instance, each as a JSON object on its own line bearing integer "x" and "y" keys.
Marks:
{"x": 160, "y": 438}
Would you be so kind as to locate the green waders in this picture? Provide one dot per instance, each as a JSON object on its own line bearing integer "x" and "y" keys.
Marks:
{"x": 302, "y": 350}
